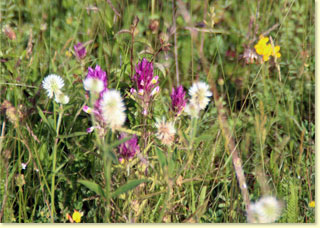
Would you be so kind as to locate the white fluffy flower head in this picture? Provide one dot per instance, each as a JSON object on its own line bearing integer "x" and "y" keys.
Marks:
{"x": 113, "y": 108}
{"x": 52, "y": 84}
{"x": 199, "y": 93}
{"x": 93, "y": 84}
{"x": 61, "y": 98}
{"x": 166, "y": 131}
{"x": 192, "y": 110}
{"x": 266, "y": 210}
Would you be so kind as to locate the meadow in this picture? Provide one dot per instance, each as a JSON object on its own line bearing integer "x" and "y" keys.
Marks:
{"x": 157, "y": 111}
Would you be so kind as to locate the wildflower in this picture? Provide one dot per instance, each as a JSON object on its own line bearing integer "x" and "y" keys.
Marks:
{"x": 266, "y": 210}
{"x": 312, "y": 204}
{"x": 144, "y": 77}
{"x": 23, "y": 165}
{"x": 90, "y": 129}
{"x": 192, "y": 110}
{"x": 121, "y": 160}
{"x": 68, "y": 54}
{"x": 129, "y": 148}
{"x": 146, "y": 83}
{"x": 96, "y": 80}
{"x": 199, "y": 93}
{"x": 166, "y": 131}
{"x": 276, "y": 51}
{"x": 80, "y": 50}
{"x": 266, "y": 50}
{"x": 61, "y": 98}
{"x": 52, "y": 84}
{"x": 249, "y": 55}
{"x": 76, "y": 216}
{"x": 261, "y": 45}
{"x": 112, "y": 108}
{"x": 178, "y": 101}
{"x": 11, "y": 112}
{"x": 87, "y": 109}
{"x": 155, "y": 90}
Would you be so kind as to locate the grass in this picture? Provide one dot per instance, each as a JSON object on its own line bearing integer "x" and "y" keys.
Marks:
{"x": 262, "y": 114}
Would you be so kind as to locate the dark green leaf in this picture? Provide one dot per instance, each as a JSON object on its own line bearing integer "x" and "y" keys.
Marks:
{"x": 127, "y": 187}
{"x": 93, "y": 187}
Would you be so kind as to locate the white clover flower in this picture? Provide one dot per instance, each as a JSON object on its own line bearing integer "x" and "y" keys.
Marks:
{"x": 199, "y": 93}
{"x": 165, "y": 131}
{"x": 23, "y": 165}
{"x": 113, "y": 108}
{"x": 93, "y": 84}
{"x": 266, "y": 210}
{"x": 61, "y": 98}
{"x": 52, "y": 84}
{"x": 192, "y": 110}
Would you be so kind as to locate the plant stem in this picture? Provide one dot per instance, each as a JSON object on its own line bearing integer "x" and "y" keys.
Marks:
{"x": 54, "y": 163}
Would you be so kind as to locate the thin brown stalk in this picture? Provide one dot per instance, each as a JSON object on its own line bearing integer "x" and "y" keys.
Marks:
{"x": 113, "y": 8}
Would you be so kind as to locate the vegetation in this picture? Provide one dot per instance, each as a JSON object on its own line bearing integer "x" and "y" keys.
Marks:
{"x": 255, "y": 137}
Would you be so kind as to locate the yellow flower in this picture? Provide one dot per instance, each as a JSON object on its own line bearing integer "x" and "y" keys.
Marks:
{"x": 76, "y": 216}
{"x": 312, "y": 204}
{"x": 68, "y": 54}
{"x": 265, "y": 49}
{"x": 261, "y": 45}
{"x": 276, "y": 52}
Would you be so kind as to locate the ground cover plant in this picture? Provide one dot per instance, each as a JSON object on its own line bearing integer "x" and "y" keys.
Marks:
{"x": 157, "y": 111}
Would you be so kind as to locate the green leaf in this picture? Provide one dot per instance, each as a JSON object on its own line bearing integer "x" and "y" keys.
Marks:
{"x": 93, "y": 187}
{"x": 171, "y": 166}
{"x": 127, "y": 187}
{"x": 202, "y": 195}
{"x": 117, "y": 143}
{"x": 44, "y": 118}
{"x": 161, "y": 157}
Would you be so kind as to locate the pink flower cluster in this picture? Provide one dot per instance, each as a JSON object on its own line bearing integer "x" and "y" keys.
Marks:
{"x": 80, "y": 50}
{"x": 178, "y": 101}
{"x": 128, "y": 149}
{"x": 146, "y": 83}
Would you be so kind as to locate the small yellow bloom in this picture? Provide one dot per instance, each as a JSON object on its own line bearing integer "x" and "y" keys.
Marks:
{"x": 312, "y": 204}
{"x": 265, "y": 50}
{"x": 276, "y": 51}
{"x": 76, "y": 216}
{"x": 68, "y": 54}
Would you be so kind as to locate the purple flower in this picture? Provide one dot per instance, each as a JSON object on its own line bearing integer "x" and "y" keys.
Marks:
{"x": 96, "y": 80}
{"x": 143, "y": 77}
{"x": 178, "y": 99}
{"x": 129, "y": 148}
{"x": 80, "y": 50}
{"x": 146, "y": 84}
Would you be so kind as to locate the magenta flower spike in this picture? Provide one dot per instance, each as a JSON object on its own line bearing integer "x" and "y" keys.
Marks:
{"x": 96, "y": 80}
{"x": 178, "y": 99}
{"x": 128, "y": 149}
{"x": 80, "y": 50}
{"x": 146, "y": 84}
{"x": 144, "y": 79}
